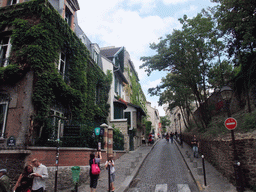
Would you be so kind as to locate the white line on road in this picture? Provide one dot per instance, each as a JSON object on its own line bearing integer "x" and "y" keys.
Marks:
{"x": 183, "y": 188}
{"x": 161, "y": 188}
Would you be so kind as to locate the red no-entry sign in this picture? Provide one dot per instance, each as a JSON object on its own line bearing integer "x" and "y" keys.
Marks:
{"x": 230, "y": 123}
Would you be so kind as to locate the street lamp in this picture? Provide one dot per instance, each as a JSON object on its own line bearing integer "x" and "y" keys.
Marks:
{"x": 226, "y": 94}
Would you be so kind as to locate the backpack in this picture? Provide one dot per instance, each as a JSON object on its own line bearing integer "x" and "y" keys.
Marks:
{"x": 95, "y": 168}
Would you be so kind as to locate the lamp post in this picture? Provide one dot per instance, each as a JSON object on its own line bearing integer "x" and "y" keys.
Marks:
{"x": 226, "y": 94}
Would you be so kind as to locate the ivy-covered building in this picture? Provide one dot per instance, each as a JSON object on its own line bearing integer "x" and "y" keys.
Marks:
{"x": 51, "y": 80}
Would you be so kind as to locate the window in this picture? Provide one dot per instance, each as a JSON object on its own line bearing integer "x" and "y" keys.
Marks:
{"x": 12, "y": 2}
{"x": 118, "y": 86}
{"x": 68, "y": 16}
{"x": 3, "y": 117}
{"x": 62, "y": 64}
{"x": 57, "y": 124}
{"x": 5, "y": 47}
{"x": 118, "y": 111}
{"x": 95, "y": 56}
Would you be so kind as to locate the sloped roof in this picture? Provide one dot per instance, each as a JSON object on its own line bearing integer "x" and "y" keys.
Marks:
{"x": 109, "y": 52}
{"x": 74, "y": 4}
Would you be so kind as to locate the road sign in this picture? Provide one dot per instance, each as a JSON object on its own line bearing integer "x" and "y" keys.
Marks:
{"x": 230, "y": 123}
{"x": 97, "y": 131}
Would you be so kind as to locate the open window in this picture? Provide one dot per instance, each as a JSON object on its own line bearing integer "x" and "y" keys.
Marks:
{"x": 5, "y": 48}
{"x": 3, "y": 117}
{"x": 68, "y": 16}
{"x": 12, "y": 2}
{"x": 57, "y": 124}
{"x": 62, "y": 64}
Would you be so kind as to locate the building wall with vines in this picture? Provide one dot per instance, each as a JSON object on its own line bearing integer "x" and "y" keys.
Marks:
{"x": 38, "y": 35}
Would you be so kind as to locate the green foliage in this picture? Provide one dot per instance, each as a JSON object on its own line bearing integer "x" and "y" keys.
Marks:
{"x": 137, "y": 95}
{"x": 39, "y": 34}
{"x": 118, "y": 140}
{"x": 249, "y": 123}
{"x": 165, "y": 122}
{"x": 148, "y": 125}
{"x": 187, "y": 54}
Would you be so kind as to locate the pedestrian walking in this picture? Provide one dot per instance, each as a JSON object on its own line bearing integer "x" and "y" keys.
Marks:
{"x": 4, "y": 181}
{"x": 167, "y": 137}
{"x": 110, "y": 165}
{"x": 25, "y": 181}
{"x": 40, "y": 175}
{"x": 94, "y": 178}
{"x": 195, "y": 145}
{"x": 143, "y": 140}
{"x": 150, "y": 139}
{"x": 171, "y": 136}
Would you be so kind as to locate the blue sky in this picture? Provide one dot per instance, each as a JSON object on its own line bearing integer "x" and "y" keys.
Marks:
{"x": 135, "y": 24}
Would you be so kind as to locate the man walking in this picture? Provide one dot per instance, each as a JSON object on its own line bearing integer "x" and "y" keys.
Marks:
{"x": 40, "y": 174}
{"x": 195, "y": 145}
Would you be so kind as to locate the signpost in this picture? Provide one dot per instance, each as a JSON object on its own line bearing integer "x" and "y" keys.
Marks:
{"x": 230, "y": 123}
{"x": 98, "y": 132}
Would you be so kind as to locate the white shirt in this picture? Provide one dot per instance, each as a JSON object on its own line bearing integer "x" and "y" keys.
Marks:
{"x": 112, "y": 168}
{"x": 39, "y": 182}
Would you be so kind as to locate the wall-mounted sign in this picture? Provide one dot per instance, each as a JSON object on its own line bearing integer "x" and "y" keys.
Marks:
{"x": 11, "y": 142}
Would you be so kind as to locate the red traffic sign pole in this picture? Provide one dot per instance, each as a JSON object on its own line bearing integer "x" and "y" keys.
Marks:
{"x": 230, "y": 123}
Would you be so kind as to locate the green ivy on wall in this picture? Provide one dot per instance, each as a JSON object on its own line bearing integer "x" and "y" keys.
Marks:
{"x": 38, "y": 35}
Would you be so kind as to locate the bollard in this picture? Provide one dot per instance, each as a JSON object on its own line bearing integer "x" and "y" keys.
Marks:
{"x": 204, "y": 170}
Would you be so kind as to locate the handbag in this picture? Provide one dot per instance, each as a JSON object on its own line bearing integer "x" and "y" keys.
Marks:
{"x": 95, "y": 168}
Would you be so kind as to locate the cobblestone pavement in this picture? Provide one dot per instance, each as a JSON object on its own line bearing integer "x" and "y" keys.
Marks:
{"x": 126, "y": 168}
{"x": 164, "y": 170}
{"x": 173, "y": 177}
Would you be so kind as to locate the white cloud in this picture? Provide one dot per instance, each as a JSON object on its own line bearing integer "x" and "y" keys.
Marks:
{"x": 168, "y": 2}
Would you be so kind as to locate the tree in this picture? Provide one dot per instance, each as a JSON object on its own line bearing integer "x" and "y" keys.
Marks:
{"x": 187, "y": 53}
{"x": 237, "y": 21}
{"x": 165, "y": 122}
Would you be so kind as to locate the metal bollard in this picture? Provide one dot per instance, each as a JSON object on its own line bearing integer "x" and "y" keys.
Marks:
{"x": 204, "y": 170}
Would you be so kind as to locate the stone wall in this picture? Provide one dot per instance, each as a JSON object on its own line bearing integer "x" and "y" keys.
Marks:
{"x": 220, "y": 154}
{"x": 15, "y": 160}
{"x": 121, "y": 124}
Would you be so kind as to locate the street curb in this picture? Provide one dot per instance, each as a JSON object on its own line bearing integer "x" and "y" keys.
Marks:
{"x": 129, "y": 179}
{"x": 199, "y": 187}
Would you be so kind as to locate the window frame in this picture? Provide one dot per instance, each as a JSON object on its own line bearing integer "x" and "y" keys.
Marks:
{"x": 68, "y": 16}
{"x": 4, "y": 118}
{"x": 8, "y": 51}
{"x": 55, "y": 124}
{"x": 62, "y": 73}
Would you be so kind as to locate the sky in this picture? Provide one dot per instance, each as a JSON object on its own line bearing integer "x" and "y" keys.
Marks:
{"x": 135, "y": 24}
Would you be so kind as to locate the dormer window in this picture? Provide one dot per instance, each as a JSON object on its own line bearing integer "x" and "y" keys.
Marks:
{"x": 12, "y": 2}
{"x": 95, "y": 52}
{"x": 5, "y": 48}
{"x": 68, "y": 16}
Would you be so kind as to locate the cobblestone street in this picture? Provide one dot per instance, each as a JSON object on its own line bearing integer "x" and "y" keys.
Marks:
{"x": 163, "y": 170}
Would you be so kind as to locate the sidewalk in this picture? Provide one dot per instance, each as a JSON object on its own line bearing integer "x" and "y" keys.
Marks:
{"x": 215, "y": 182}
{"x": 126, "y": 167}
